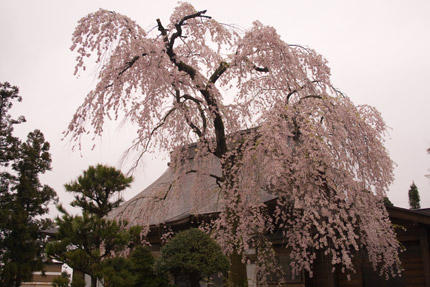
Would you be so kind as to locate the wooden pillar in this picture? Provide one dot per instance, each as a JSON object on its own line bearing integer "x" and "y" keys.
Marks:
{"x": 426, "y": 256}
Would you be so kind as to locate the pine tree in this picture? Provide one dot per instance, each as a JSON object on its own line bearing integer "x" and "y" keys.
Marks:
{"x": 95, "y": 189}
{"x": 84, "y": 241}
{"x": 23, "y": 199}
{"x": 414, "y": 197}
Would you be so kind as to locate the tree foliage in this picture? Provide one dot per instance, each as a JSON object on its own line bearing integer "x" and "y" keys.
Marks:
{"x": 194, "y": 255}
{"x": 428, "y": 151}
{"x": 84, "y": 241}
{"x": 136, "y": 270}
{"x": 95, "y": 188}
{"x": 267, "y": 111}
{"x": 117, "y": 272}
{"x": 62, "y": 281}
{"x": 388, "y": 202}
{"x": 8, "y": 142}
{"x": 23, "y": 198}
{"x": 414, "y": 197}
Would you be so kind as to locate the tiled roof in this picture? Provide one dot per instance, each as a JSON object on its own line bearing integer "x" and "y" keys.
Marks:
{"x": 170, "y": 199}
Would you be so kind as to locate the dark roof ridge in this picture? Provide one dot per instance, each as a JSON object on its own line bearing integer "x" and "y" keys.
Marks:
{"x": 410, "y": 214}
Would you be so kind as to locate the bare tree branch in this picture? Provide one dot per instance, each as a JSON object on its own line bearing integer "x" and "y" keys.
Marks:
{"x": 193, "y": 127}
{"x": 221, "y": 147}
{"x": 130, "y": 64}
{"x": 199, "y": 107}
{"x": 301, "y": 88}
{"x": 218, "y": 72}
{"x": 170, "y": 43}
{"x": 139, "y": 158}
{"x": 261, "y": 69}
{"x": 218, "y": 179}
{"x": 309, "y": 97}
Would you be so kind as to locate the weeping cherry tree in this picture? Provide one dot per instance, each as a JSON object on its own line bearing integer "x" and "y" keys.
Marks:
{"x": 268, "y": 112}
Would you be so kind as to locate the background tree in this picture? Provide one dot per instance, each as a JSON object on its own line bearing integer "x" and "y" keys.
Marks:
{"x": 414, "y": 197}
{"x": 23, "y": 199}
{"x": 117, "y": 272}
{"x": 8, "y": 142}
{"x": 194, "y": 255}
{"x": 62, "y": 281}
{"x": 83, "y": 242}
{"x": 387, "y": 201}
{"x": 95, "y": 189}
{"x": 143, "y": 265}
{"x": 136, "y": 270}
{"x": 267, "y": 112}
{"x": 428, "y": 151}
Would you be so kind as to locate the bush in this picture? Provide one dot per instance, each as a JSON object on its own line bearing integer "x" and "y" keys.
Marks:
{"x": 193, "y": 255}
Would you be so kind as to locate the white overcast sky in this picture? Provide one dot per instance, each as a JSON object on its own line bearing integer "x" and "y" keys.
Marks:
{"x": 379, "y": 53}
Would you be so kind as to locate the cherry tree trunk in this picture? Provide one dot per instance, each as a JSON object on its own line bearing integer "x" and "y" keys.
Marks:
{"x": 93, "y": 281}
{"x": 195, "y": 282}
{"x": 237, "y": 274}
